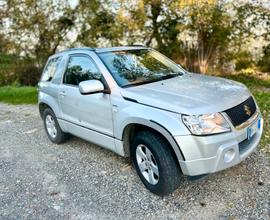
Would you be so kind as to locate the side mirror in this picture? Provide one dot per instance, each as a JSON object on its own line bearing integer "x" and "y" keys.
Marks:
{"x": 91, "y": 86}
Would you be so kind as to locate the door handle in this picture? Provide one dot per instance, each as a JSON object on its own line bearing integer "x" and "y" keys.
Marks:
{"x": 63, "y": 93}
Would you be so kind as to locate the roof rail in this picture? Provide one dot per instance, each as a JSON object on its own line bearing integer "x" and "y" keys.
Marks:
{"x": 78, "y": 48}
{"x": 137, "y": 45}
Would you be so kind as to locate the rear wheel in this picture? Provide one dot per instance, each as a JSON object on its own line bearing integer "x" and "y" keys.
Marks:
{"x": 52, "y": 128}
{"x": 155, "y": 163}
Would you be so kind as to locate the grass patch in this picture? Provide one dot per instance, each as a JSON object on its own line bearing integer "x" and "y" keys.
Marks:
{"x": 18, "y": 95}
{"x": 251, "y": 81}
{"x": 263, "y": 100}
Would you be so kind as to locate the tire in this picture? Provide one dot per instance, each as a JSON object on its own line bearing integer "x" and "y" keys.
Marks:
{"x": 166, "y": 178}
{"x": 53, "y": 130}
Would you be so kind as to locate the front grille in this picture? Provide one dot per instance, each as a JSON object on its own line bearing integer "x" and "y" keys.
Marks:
{"x": 242, "y": 112}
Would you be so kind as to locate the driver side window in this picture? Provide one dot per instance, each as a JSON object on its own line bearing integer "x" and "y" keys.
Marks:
{"x": 80, "y": 68}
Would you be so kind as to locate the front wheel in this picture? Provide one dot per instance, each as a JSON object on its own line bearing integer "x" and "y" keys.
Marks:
{"x": 155, "y": 163}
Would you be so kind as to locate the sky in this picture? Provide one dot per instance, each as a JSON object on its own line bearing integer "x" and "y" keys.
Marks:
{"x": 73, "y": 3}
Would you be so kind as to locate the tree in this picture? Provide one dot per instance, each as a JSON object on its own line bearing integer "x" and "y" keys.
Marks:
{"x": 106, "y": 23}
{"x": 210, "y": 27}
{"x": 194, "y": 34}
{"x": 207, "y": 34}
{"x": 203, "y": 35}
{"x": 5, "y": 44}
{"x": 258, "y": 26}
{"x": 39, "y": 27}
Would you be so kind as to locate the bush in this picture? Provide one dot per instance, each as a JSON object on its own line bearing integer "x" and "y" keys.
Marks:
{"x": 264, "y": 62}
{"x": 27, "y": 73}
{"x": 243, "y": 60}
{"x": 248, "y": 72}
{"x": 14, "y": 70}
{"x": 7, "y": 65}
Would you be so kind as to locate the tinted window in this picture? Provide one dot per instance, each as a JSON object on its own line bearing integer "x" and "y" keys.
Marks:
{"x": 80, "y": 68}
{"x": 50, "y": 69}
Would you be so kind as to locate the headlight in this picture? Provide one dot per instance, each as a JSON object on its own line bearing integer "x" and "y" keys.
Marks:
{"x": 206, "y": 124}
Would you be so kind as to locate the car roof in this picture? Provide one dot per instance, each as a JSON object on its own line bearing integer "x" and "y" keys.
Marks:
{"x": 101, "y": 50}
{"x": 109, "y": 49}
{"x": 97, "y": 50}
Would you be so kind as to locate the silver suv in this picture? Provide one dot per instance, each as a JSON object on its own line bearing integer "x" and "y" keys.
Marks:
{"x": 138, "y": 103}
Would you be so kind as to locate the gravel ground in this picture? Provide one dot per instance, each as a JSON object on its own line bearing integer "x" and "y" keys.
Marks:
{"x": 78, "y": 180}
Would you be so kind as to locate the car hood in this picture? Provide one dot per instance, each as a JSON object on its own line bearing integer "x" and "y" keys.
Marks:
{"x": 189, "y": 94}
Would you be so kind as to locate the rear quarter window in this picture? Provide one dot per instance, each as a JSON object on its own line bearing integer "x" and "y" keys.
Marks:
{"x": 50, "y": 69}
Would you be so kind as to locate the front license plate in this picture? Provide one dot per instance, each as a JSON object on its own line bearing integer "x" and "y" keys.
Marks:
{"x": 253, "y": 128}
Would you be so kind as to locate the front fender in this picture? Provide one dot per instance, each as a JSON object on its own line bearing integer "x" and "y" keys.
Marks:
{"x": 149, "y": 116}
{"x": 166, "y": 123}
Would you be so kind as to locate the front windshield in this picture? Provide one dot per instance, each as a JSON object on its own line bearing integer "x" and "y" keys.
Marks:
{"x": 136, "y": 67}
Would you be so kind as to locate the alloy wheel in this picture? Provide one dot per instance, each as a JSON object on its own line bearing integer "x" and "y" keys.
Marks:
{"x": 50, "y": 126}
{"x": 147, "y": 164}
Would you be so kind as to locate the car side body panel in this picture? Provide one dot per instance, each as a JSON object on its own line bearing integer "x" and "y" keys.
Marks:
{"x": 48, "y": 94}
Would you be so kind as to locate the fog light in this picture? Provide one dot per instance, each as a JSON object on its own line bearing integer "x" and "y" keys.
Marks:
{"x": 229, "y": 155}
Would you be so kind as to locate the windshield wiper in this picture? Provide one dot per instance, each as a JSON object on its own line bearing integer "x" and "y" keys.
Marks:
{"x": 171, "y": 75}
{"x": 140, "y": 83}
{"x": 153, "y": 80}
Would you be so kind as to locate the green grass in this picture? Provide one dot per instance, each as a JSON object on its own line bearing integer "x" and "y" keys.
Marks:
{"x": 251, "y": 81}
{"x": 263, "y": 100}
{"x": 18, "y": 95}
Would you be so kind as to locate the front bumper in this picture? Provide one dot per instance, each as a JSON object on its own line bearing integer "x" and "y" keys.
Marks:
{"x": 209, "y": 154}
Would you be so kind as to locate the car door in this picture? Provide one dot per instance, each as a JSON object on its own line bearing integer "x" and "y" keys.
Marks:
{"x": 92, "y": 111}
